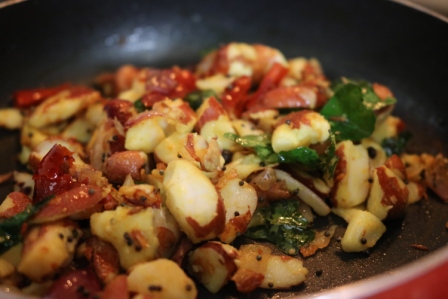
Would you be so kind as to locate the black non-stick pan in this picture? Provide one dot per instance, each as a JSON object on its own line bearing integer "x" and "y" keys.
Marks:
{"x": 43, "y": 43}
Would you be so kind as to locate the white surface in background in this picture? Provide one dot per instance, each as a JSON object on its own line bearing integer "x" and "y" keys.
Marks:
{"x": 440, "y": 6}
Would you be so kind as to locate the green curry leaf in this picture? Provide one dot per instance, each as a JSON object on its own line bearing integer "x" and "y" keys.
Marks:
{"x": 250, "y": 140}
{"x": 397, "y": 144}
{"x": 348, "y": 116}
{"x": 305, "y": 157}
{"x": 10, "y": 234}
{"x": 371, "y": 100}
{"x": 196, "y": 98}
{"x": 260, "y": 143}
{"x": 329, "y": 160}
{"x": 139, "y": 106}
{"x": 281, "y": 224}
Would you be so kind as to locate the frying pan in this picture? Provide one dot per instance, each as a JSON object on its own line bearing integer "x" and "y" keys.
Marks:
{"x": 43, "y": 43}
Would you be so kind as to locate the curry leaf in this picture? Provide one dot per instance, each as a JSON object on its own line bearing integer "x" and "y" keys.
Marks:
{"x": 397, "y": 144}
{"x": 370, "y": 98}
{"x": 10, "y": 228}
{"x": 196, "y": 98}
{"x": 139, "y": 106}
{"x": 281, "y": 224}
{"x": 303, "y": 155}
{"x": 373, "y": 102}
{"x": 266, "y": 154}
{"x": 348, "y": 116}
{"x": 250, "y": 140}
{"x": 339, "y": 83}
{"x": 329, "y": 160}
{"x": 260, "y": 143}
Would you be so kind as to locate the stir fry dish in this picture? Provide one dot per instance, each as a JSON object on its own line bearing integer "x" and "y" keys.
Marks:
{"x": 140, "y": 185}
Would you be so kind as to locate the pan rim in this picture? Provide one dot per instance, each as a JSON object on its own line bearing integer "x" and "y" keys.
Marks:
{"x": 419, "y": 7}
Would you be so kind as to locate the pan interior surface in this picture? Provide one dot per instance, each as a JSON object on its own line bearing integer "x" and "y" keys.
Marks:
{"x": 51, "y": 42}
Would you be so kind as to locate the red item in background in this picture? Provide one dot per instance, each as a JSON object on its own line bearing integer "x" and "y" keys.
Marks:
{"x": 270, "y": 80}
{"x": 30, "y": 97}
{"x": 235, "y": 96}
{"x": 78, "y": 284}
{"x": 172, "y": 83}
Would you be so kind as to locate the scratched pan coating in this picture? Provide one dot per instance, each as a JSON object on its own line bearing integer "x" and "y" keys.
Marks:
{"x": 49, "y": 42}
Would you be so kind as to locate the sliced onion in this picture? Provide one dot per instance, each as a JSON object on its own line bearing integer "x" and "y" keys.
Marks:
{"x": 304, "y": 193}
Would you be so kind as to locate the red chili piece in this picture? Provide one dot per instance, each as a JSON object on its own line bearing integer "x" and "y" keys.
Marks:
{"x": 52, "y": 174}
{"x": 120, "y": 109}
{"x": 271, "y": 80}
{"x": 172, "y": 83}
{"x": 235, "y": 96}
{"x": 31, "y": 97}
{"x": 78, "y": 284}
